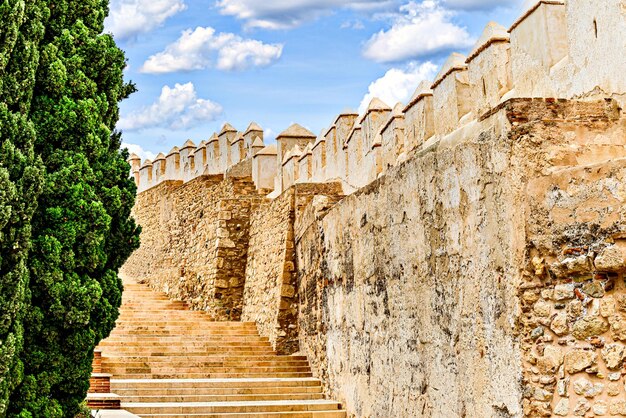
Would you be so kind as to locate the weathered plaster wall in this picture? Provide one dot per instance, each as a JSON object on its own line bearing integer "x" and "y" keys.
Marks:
{"x": 195, "y": 240}
{"x": 413, "y": 290}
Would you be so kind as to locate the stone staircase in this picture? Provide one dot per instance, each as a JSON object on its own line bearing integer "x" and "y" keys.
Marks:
{"x": 164, "y": 361}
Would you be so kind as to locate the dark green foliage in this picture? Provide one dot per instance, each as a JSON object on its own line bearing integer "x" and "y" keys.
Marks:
{"x": 81, "y": 231}
{"x": 21, "y": 173}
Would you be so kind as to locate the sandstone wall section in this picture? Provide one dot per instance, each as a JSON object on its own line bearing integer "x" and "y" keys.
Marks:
{"x": 271, "y": 293}
{"x": 431, "y": 291}
{"x": 195, "y": 241}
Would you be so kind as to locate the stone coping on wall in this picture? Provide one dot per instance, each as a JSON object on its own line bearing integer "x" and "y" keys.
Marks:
{"x": 532, "y": 10}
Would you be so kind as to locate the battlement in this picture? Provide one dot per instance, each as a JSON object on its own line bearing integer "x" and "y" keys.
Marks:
{"x": 556, "y": 49}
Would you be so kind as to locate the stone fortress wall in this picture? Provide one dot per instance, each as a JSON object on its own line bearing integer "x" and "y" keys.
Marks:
{"x": 462, "y": 255}
{"x": 554, "y": 50}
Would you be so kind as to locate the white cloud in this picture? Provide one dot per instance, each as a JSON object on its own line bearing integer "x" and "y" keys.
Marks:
{"x": 480, "y": 4}
{"x": 419, "y": 30}
{"x": 353, "y": 24}
{"x": 128, "y": 18}
{"x": 176, "y": 108}
{"x": 137, "y": 149}
{"x": 194, "y": 50}
{"x": 398, "y": 84}
{"x": 284, "y": 14}
{"x": 269, "y": 136}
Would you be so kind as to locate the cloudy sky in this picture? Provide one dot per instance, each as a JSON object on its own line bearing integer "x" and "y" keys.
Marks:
{"x": 200, "y": 63}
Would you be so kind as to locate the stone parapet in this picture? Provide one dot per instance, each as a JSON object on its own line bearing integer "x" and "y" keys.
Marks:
{"x": 555, "y": 49}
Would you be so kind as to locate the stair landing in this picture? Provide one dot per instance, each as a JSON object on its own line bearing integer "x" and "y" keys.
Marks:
{"x": 169, "y": 362}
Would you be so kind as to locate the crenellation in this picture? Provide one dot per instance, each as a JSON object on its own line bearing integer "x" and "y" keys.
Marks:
{"x": 172, "y": 165}
{"x": 353, "y": 149}
{"x": 145, "y": 176}
{"x": 375, "y": 158}
{"x": 369, "y": 162}
{"x": 237, "y": 150}
{"x": 290, "y": 167}
{"x": 555, "y": 49}
{"x": 135, "y": 164}
{"x": 264, "y": 168}
{"x": 199, "y": 159}
{"x": 318, "y": 160}
{"x": 489, "y": 69}
{"x": 187, "y": 159}
{"x": 158, "y": 168}
{"x": 225, "y": 138}
{"x": 250, "y": 136}
{"x": 451, "y": 95}
{"x": 293, "y": 137}
{"x": 213, "y": 155}
{"x": 305, "y": 162}
{"x": 334, "y": 149}
{"x": 374, "y": 117}
{"x": 393, "y": 138}
{"x": 257, "y": 145}
{"x": 538, "y": 43}
{"x": 419, "y": 117}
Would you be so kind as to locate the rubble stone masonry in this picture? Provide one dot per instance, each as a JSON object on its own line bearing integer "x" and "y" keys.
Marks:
{"x": 195, "y": 241}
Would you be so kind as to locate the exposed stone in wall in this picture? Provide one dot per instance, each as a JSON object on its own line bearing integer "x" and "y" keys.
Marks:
{"x": 574, "y": 317}
{"x": 428, "y": 292}
{"x": 270, "y": 297}
{"x": 195, "y": 241}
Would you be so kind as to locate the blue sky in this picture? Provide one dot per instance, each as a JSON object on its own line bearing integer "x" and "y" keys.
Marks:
{"x": 200, "y": 63}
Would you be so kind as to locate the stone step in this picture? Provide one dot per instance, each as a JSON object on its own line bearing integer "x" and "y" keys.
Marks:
{"x": 243, "y": 362}
{"x": 173, "y": 346}
{"x": 190, "y": 327}
{"x": 170, "y": 322}
{"x": 264, "y": 390}
{"x": 100, "y": 382}
{"x": 196, "y": 350}
{"x": 140, "y": 302}
{"x": 161, "y": 398}
{"x": 182, "y": 337}
{"x": 169, "y": 361}
{"x": 207, "y": 358}
{"x": 167, "y": 369}
{"x": 148, "y": 305}
{"x": 199, "y": 329}
{"x": 164, "y": 314}
{"x": 197, "y": 332}
{"x": 158, "y": 308}
{"x": 230, "y": 407}
{"x": 214, "y": 383}
{"x": 308, "y": 414}
{"x": 210, "y": 375}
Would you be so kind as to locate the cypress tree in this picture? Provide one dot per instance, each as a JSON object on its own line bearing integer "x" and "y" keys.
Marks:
{"x": 82, "y": 229}
{"x": 21, "y": 30}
